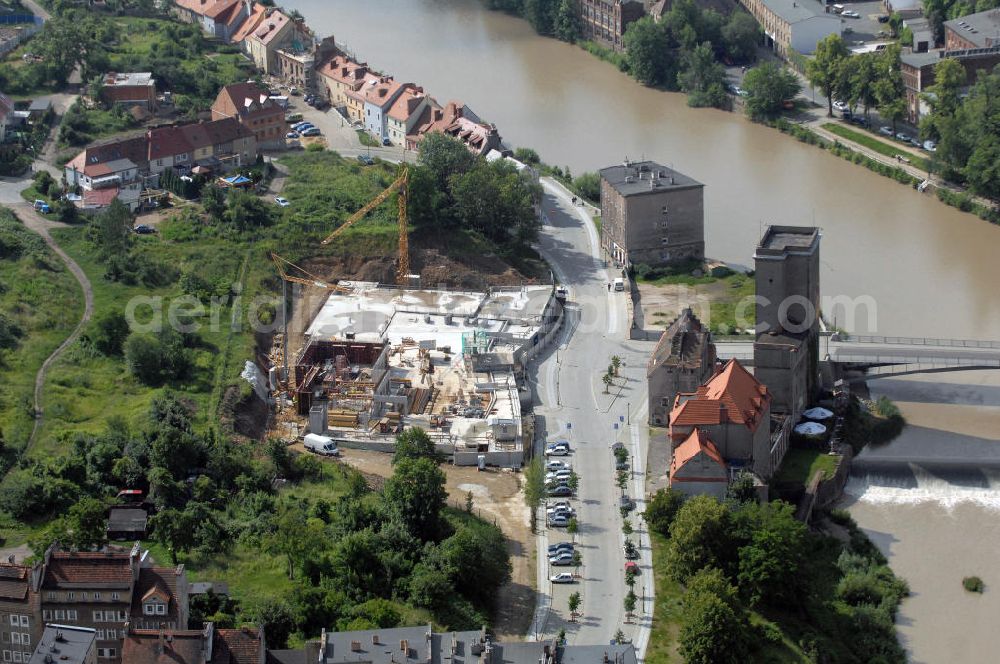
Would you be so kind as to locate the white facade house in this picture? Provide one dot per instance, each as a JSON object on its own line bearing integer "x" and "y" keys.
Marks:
{"x": 794, "y": 24}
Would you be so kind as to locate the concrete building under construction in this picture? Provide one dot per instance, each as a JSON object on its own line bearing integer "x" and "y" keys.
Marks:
{"x": 378, "y": 359}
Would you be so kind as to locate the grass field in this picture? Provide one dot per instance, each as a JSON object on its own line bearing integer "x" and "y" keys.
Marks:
{"x": 869, "y": 141}
{"x": 800, "y": 464}
{"x": 44, "y": 301}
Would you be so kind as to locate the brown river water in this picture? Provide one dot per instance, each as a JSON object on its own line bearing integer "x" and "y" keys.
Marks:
{"x": 931, "y": 499}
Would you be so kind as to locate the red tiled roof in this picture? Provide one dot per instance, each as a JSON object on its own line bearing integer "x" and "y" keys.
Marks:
{"x": 85, "y": 567}
{"x": 219, "y": 9}
{"x": 167, "y": 142}
{"x": 732, "y": 395}
{"x": 236, "y": 646}
{"x": 344, "y": 70}
{"x": 98, "y": 198}
{"x": 14, "y": 581}
{"x": 248, "y": 100}
{"x": 382, "y": 92}
{"x": 251, "y": 23}
{"x": 142, "y": 646}
{"x": 270, "y": 27}
{"x": 155, "y": 581}
{"x": 406, "y": 103}
{"x": 698, "y": 442}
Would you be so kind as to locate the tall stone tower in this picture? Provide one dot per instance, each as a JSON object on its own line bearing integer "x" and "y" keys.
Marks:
{"x": 788, "y": 308}
{"x": 683, "y": 359}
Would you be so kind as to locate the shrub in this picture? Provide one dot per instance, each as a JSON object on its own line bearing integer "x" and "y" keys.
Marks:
{"x": 841, "y": 517}
{"x": 157, "y": 358}
{"x": 973, "y": 584}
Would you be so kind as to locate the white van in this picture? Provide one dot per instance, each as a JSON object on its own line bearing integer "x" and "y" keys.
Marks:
{"x": 619, "y": 284}
{"x": 320, "y": 445}
{"x": 837, "y": 9}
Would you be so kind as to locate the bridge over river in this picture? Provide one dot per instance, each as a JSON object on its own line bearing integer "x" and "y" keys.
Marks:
{"x": 888, "y": 356}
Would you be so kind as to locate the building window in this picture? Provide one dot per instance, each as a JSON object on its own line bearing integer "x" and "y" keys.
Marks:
{"x": 6, "y": 637}
{"x": 71, "y": 596}
{"x": 71, "y": 614}
{"x": 26, "y": 639}
{"x": 97, "y": 595}
{"x": 6, "y": 655}
{"x": 114, "y": 596}
{"x": 98, "y": 616}
{"x": 100, "y": 635}
{"x": 17, "y": 656}
{"x": 60, "y": 614}
{"x": 106, "y": 653}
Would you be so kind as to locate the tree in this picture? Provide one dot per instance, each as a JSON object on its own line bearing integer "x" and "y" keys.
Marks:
{"x": 741, "y": 36}
{"x": 768, "y": 86}
{"x": 174, "y": 531}
{"x": 741, "y": 490}
{"x": 608, "y": 380}
{"x": 630, "y": 603}
{"x": 445, "y": 157}
{"x": 861, "y": 74}
{"x": 477, "y": 556}
{"x": 577, "y": 561}
{"x": 616, "y": 364}
{"x": 574, "y": 604}
{"x": 770, "y": 565}
{"x": 661, "y": 510}
{"x": 647, "y": 52}
{"x": 246, "y": 211}
{"x": 943, "y": 96}
{"x": 588, "y": 185}
{"x": 698, "y": 537}
{"x": 275, "y": 617}
{"x": 825, "y": 69}
{"x": 621, "y": 479}
{"x": 114, "y": 225}
{"x": 527, "y": 156}
{"x": 573, "y": 527}
{"x": 296, "y": 537}
{"x": 567, "y": 25}
{"x": 109, "y": 332}
{"x": 213, "y": 199}
{"x": 414, "y": 443}
{"x": 86, "y": 524}
{"x": 627, "y": 527}
{"x": 416, "y": 493}
{"x": 430, "y": 587}
{"x": 713, "y": 625}
{"x": 541, "y": 14}
{"x": 534, "y": 485}
{"x": 890, "y": 91}
{"x": 703, "y": 78}
{"x": 573, "y": 481}
{"x": 157, "y": 358}
{"x": 493, "y": 199}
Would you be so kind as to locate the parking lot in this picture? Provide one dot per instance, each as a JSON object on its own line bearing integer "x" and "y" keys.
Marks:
{"x": 860, "y": 31}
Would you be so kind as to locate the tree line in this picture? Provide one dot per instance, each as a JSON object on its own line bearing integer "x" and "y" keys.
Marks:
{"x": 736, "y": 559}
{"x": 359, "y": 561}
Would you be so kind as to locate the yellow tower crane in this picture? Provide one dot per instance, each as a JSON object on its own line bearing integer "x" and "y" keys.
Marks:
{"x": 400, "y": 185}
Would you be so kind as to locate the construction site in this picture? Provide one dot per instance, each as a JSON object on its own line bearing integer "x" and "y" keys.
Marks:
{"x": 376, "y": 359}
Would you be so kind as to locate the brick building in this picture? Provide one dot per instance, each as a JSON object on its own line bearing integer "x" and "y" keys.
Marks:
{"x": 917, "y": 70}
{"x": 20, "y": 620}
{"x": 981, "y": 30}
{"x": 252, "y": 108}
{"x": 683, "y": 359}
{"x": 131, "y": 89}
{"x": 651, "y": 214}
{"x": 605, "y": 21}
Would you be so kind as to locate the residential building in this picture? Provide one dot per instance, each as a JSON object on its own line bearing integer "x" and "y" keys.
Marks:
{"x": 378, "y": 96}
{"x": 404, "y": 113}
{"x": 126, "y": 523}
{"x": 980, "y": 30}
{"x": 786, "y": 349}
{"x": 20, "y": 616}
{"x": 422, "y": 645}
{"x": 255, "y": 15}
{"x": 733, "y": 408}
{"x": 605, "y": 21}
{"x": 251, "y": 107}
{"x": 130, "y": 89}
{"x": 458, "y": 121}
{"x": 219, "y": 18}
{"x": 651, "y": 215}
{"x": 341, "y": 75}
{"x": 917, "y": 70}
{"x": 195, "y": 646}
{"x": 274, "y": 31}
{"x": 905, "y": 8}
{"x": 6, "y": 114}
{"x": 65, "y": 644}
{"x": 103, "y": 181}
{"x": 793, "y": 25}
{"x": 697, "y": 467}
{"x": 297, "y": 60}
{"x": 683, "y": 359}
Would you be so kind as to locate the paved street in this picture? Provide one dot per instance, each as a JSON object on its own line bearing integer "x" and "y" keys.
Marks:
{"x": 573, "y": 406}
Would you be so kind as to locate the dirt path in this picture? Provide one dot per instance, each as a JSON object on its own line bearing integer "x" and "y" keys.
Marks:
{"x": 35, "y": 222}
{"x": 497, "y": 497}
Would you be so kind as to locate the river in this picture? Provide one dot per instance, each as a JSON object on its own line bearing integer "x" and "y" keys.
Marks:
{"x": 931, "y": 270}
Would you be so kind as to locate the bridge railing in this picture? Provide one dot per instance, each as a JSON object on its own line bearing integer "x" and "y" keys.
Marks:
{"x": 917, "y": 341}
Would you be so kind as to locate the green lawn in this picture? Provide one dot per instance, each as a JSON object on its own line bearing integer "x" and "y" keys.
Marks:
{"x": 44, "y": 301}
{"x": 662, "y": 647}
{"x": 869, "y": 141}
{"x": 800, "y": 464}
{"x": 368, "y": 139}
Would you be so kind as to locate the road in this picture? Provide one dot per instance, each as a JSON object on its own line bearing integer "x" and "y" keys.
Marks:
{"x": 573, "y": 406}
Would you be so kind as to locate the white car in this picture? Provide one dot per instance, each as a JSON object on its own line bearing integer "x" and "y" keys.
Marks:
{"x": 282, "y": 202}
{"x": 562, "y": 474}
{"x": 561, "y": 577}
{"x": 553, "y": 466}
{"x": 561, "y": 559}
{"x": 559, "y": 520}
{"x": 930, "y": 146}
{"x": 885, "y": 131}
{"x": 557, "y": 450}
{"x": 850, "y": 13}
{"x": 902, "y": 137}
{"x": 840, "y": 105}
{"x": 559, "y": 505}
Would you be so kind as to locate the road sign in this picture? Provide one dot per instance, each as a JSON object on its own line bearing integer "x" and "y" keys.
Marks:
{"x": 569, "y": 425}
{"x": 616, "y": 426}
{"x": 621, "y": 418}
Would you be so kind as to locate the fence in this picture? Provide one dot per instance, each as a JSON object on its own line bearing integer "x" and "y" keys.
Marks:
{"x": 28, "y": 28}
{"x": 917, "y": 341}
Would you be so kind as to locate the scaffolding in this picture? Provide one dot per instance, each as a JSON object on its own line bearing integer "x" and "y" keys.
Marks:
{"x": 475, "y": 342}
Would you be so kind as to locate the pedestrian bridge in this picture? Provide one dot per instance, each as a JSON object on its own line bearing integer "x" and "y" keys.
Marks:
{"x": 889, "y": 356}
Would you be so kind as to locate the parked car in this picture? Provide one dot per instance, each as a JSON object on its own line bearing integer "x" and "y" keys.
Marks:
{"x": 561, "y": 559}
{"x": 386, "y": 142}
{"x": 621, "y": 465}
{"x": 41, "y": 206}
{"x": 850, "y": 13}
{"x": 552, "y": 466}
{"x": 293, "y": 90}
{"x": 841, "y": 105}
{"x": 902, "y": 137}
{"x": 561, "y": 546}
{"x": 630, "y": 550}
{"x": 885, "y": 131}
{"x": 559, "y": 505}
{"x": 567, "y": 512}
{"x": 143, "y": 229}
{"x": 860, "y": 120}
{"x": 883, "y": 18}
{"x": 557, "y": 449}
{"x": 293, "y": 117}
{"x": 627, "y": 503}
{"x": 561, "y": 577}
{"x": 562, "y": 474}
{"x": 292, "y": 134}
{"x": 365, "y": 159}
{"x": 915, "y": 142}
{"x": 281, "y": 201}
{"x": 302, "y": 125}
{"x": 560, "y": 490}
{"x": 559, "y": 520}
{"x": 311, "y": 131}
{"x": 632, "y": 566}
{"x": 930, "y": 146}
{"x": 321, "y": 445}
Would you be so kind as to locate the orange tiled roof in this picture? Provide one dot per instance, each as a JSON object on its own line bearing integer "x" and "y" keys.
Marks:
{"x": 270, "y": 26}
{"x": 406, "y": 103}
{"x": 732, "y": 395}
{"x": 13, "y": 581}
{"x": 236, "y": 646}
{"x": 698, "y": 442}
{"x": 83, "y": 567}
{"x": 251, "y": 23}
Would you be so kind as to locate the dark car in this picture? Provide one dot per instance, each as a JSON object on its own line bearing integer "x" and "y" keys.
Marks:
{"x": 561, "y": 490}
{"x": 561, "y": 546}
{"x": 365, "y": 159}
{"x": 143, "y": 229}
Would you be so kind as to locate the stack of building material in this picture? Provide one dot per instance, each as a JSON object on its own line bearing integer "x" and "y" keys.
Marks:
{"x": 343, "y": 418}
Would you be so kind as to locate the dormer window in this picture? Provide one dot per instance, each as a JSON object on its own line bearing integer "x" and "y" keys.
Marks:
{"x": 154, "y": 608}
